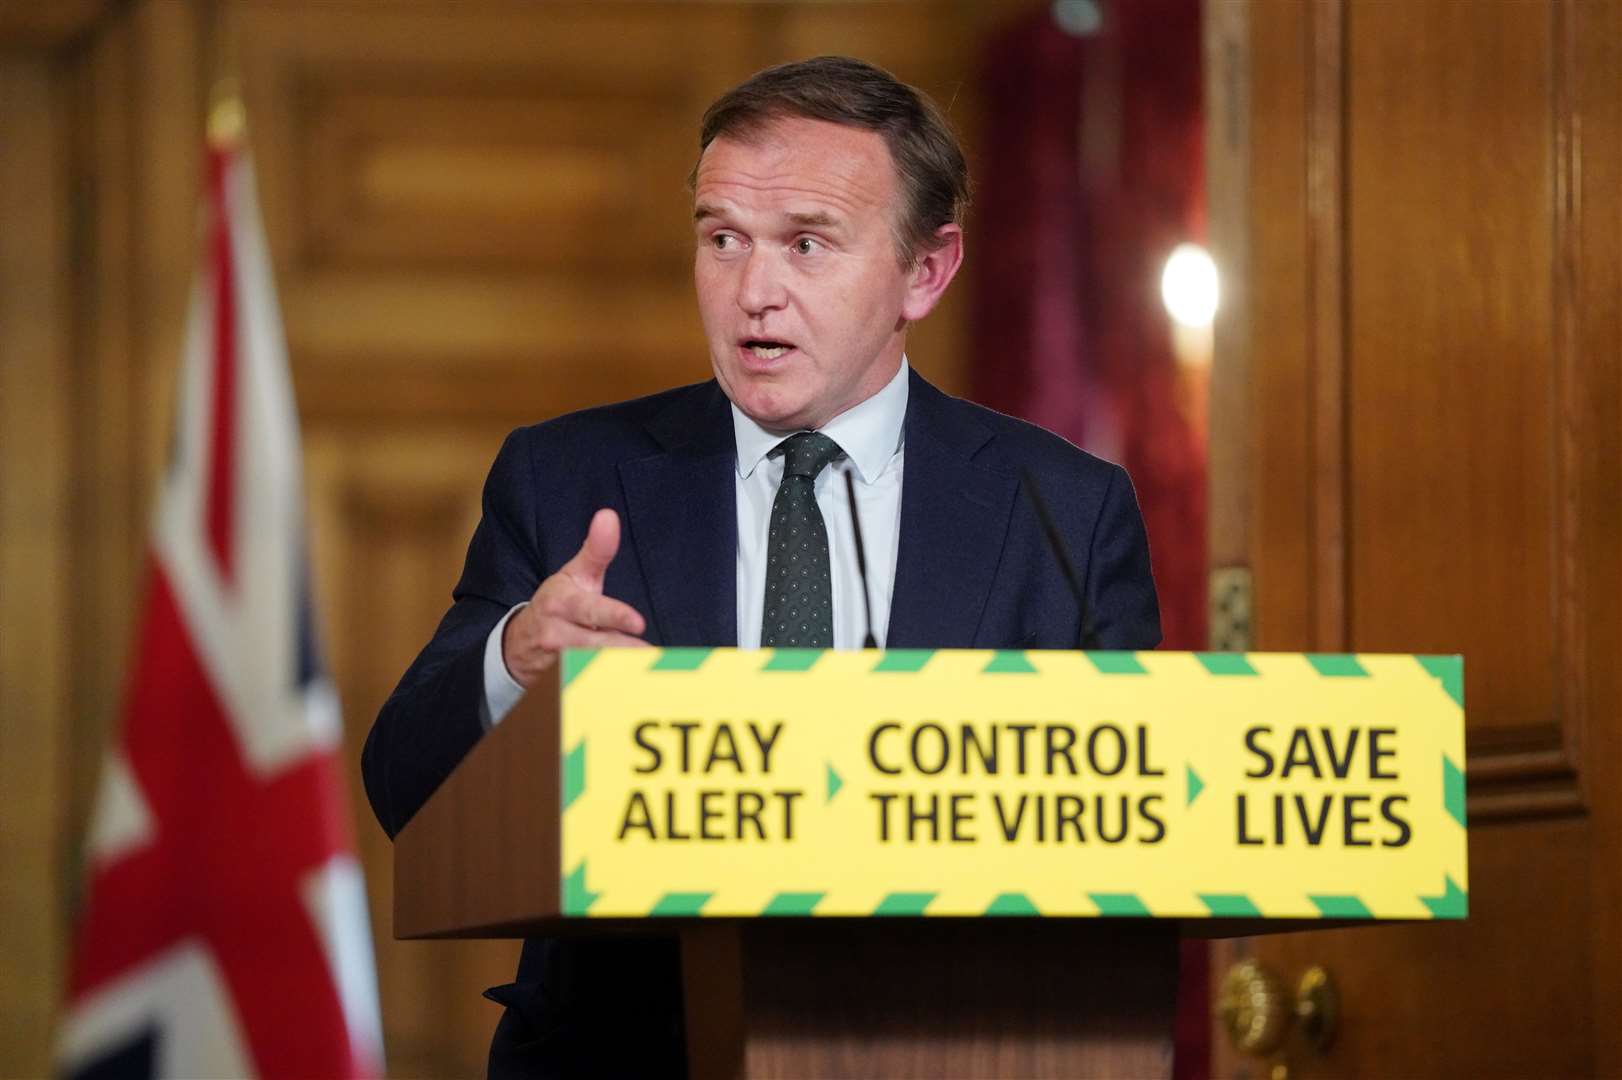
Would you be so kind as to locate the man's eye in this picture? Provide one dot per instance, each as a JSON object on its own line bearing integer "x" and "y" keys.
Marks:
{"x": 723, "y": 241}
{"x": 804, "y": 246}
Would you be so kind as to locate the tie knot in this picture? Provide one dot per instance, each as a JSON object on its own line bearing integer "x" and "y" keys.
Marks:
{"x": 806, "y": 454}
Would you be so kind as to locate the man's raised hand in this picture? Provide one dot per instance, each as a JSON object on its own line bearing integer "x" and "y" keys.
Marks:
{"x": 569, "y": 609}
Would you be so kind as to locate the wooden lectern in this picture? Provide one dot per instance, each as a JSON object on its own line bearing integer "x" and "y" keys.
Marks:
{"x": 1214, "y": 794}
{"x": 801, "y": 997}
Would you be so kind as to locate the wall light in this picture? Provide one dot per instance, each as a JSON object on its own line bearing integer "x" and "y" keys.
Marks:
{"x": 1188, "y": 286}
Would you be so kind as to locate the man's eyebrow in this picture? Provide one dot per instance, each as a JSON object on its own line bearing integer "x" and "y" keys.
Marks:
{"x": 813, "y": 219}
{"x": 804, "y": 219}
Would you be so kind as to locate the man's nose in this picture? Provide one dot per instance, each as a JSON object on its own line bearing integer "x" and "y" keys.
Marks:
{"x": 760, "y": 288}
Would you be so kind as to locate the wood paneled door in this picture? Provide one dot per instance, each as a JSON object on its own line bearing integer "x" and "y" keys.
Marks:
{"x": 1417, "y": 407}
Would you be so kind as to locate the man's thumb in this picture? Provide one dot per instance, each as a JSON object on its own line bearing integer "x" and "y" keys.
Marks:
{"x": 602, "y": 543}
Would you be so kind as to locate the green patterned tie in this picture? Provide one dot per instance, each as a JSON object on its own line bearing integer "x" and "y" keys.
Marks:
{"x": 799, "y": 609}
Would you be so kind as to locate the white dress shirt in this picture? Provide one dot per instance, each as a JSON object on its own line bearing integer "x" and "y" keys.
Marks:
{"x": 870, "y": 434}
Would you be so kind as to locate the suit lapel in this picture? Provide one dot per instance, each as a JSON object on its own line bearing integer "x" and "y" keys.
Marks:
{"x": 681, "y": 507}
{"x": 954, "y": 520}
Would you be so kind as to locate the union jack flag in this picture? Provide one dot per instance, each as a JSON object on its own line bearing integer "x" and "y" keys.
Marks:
{"x": 225, "y": 930}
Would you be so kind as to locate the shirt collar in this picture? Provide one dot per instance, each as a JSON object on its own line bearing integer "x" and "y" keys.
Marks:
{"x": 869, "y": 432}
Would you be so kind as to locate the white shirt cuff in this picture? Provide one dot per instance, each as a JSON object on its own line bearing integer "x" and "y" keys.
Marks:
{"x": 501, "y": 690}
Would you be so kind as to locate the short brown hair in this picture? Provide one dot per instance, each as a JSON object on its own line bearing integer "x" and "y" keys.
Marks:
{"x": 842, "y": 90}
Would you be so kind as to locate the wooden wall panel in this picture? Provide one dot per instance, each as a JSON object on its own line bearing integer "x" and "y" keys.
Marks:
{"x": 491, "y": 198}
{"x": 406, "y": 168}
{"x": 1276, "y": 320}
{"x": 1450, "y": 201}
{"x": 1589, "y": 279}
{"x": 1431, "y": 294}
{"x": 36, "y": 529}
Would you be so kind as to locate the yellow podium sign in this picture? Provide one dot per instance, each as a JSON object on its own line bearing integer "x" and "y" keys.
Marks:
{"x": 722, "y": 782}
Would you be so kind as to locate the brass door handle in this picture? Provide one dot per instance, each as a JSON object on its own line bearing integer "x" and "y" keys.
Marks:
{"x": 1259, "y": 1012}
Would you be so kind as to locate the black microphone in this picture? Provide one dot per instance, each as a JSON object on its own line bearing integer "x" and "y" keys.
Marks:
{"x": 1060, "y": 552}
{"x": 868, "y": 642}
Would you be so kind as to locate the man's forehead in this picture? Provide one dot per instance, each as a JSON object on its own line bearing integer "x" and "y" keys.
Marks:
{"x": 796, "y": 155}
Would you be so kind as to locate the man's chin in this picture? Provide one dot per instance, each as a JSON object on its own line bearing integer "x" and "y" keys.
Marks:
{"x": 771, "y": 412}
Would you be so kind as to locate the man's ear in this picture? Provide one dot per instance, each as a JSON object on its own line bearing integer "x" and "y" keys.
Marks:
{"x": 932, "y": 273}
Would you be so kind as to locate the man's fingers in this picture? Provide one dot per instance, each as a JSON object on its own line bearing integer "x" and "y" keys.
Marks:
{"x": 602, "y": 544}
{"x": 596, "y": 612}
{"x": 614, "y": 639}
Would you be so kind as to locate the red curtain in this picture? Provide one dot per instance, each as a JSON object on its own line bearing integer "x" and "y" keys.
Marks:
{"x": 1091, "y": 171}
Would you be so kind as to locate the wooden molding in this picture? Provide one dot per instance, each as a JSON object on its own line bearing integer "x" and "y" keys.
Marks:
{"x": 1326, "y": 240}
{"x": 30, "y": 24}
{"x": 1517, "y": 774}
{"x": 412, "y": 165}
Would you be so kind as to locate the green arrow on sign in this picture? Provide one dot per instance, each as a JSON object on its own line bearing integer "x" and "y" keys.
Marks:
{"x": 834, "y": 782}
{"x": 1195, "y": 785}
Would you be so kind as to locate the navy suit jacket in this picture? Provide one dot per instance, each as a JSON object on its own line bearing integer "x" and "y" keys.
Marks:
{"x": 973, "y": 570}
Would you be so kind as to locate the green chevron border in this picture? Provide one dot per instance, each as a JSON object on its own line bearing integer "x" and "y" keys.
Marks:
{"x": 1230, "y": 906}
{"x": 577, "y": 899}
{"x": 680, "y": 659}
{"x": 1340, "y": 907}
{"x": 1448, "y": 669}
{"x": 574, "y": 773}
{"x": 574, "y": 662}
{"x": 905, "y": 903}
{"x": 1337, "y": 665}
{"x": 679, "y": 904}
{"x": 1453, "y": 790}
{"x": 908, "y": 661}
{"x": 1454, "y": 903}
{"x": 1225, "y": 663}
{"x": 792, "y": 903}
{"x": 1012, "y": 903}
{"x": 1120, "y": 905}
{"x": 1116, "y": 663}
{"x": 1451, "y": 902}
{"x": 795, "y": 660}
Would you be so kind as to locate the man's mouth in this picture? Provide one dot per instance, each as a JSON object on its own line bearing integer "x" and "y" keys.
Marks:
{"x": 767, "y": 348}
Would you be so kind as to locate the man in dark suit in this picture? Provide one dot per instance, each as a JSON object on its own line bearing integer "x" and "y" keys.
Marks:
{"x": 828, "y": 205}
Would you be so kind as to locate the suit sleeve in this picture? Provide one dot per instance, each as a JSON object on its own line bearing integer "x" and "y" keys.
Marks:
{"x": 1123, "y": 611}
{"x": 432, "y": 719}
